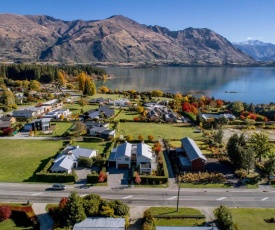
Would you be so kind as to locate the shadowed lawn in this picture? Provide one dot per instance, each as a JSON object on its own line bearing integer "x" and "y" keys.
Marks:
{"x": 167, "y": 131}
{"x": 176, "y": 222}
{"x": 20, "y": 159}
{"x": 253, "y": 218}
{"x": 191, "y": 185}
{"x": 100, "y": 146}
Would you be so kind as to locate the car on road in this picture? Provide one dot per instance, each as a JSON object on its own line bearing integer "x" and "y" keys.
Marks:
{"x": 58, "y": 187}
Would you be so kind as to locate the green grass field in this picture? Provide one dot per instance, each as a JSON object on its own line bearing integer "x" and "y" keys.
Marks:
{"x": 191, "y": 185}
{"x": 59, "y": 130}
{"x": 10, "y": 224}
{"x": 168, "y": 131}
{"x": 176, "y": 222}
{"x": 76, "y": 108}
{"x": 253, "y": 218}
{"x": 100, "y": 146}
{"x": 20, "y": 159}
{"x": 129, "y": 115}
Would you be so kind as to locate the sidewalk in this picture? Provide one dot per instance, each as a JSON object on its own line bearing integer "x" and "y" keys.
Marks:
{"x": 46, "y": 222}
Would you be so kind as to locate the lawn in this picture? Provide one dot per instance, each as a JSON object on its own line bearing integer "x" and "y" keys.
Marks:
{"x": 10, "y": 224}
{"x": 129, "y": 115}
{"x": 253, "y": 218}
{"x": 202, "y": 145}
{"x": 167, "y": 131}
{"x": 176, "y": 222}
{"x": 100, "y": 146}
{"x": 112, "y": 96}
{"x": 76, "y": 108}
{"x": 191, "y": 185}
{"x": 60, "y": 128}
{"x": 20, "y": 159}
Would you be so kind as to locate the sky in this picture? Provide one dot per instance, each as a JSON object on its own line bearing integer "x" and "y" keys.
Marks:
{"x": 236, "y": 20}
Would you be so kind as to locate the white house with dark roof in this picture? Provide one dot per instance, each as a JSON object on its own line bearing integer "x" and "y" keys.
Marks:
{"x": 68, "y": 159}
{"x": 190, "y": 155}
{"x": 139, "y": 154}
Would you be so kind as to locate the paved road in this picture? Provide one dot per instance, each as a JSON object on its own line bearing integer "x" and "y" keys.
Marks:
{"x": 39, "y": 193}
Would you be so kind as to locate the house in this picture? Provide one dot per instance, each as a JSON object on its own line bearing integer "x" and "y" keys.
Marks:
{"x": 54, "y": 104}
{"x": 158, "y": 112}
{"x": 120, "y": 103}
{"x": 102, "y": 132}
{"x": 100, "y": 100}
{"x": 28, "y": 112}
{"x": 10, "y": 119}
{"x": 102, "y": 111}
{"x": 38, "y": 124}
{"x": 190, "y": 156}
{"x": 92, "y": 124}
{"x": 128, "y": 154}
{"x": 58, "y": 113}
{"x": 68, "y": 159}
{"x": 207, "y": 116}
{"x": 104, "y": 223}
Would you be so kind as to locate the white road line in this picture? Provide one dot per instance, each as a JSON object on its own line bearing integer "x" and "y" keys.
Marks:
{"x": 126, "y": 197}
{"x": 222, "y": 198}
{"x": 264, "y": 199}
{"x": 39, "y": 193}
{"x": 171, "y": 198}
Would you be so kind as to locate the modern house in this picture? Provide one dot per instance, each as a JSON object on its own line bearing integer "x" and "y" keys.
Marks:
{"x": 120, "y": 102}
{"x": 104, "y": 223}
{"x": 102, "y": 132}
{"x": 68, "y": 159}
{"x": 190, "y": 156}
{"x": 58, "y": 113}
{"x": 28, "y": 112}
{"x": 127, "y": 154}
{"x": 92, "y": 124}
{"x": 100, "y": 112}
{"x": 38, "y": 124}
{"x": 158, "y": 112}
{"x": 207, "y": 116}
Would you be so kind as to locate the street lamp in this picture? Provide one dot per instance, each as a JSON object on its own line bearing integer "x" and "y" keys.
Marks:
{"x": 178, "y": 182}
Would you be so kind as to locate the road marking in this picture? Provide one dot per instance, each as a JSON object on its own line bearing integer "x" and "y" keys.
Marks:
{"x": 171, "y": 198}
{"x": 222, "y": 198}
{"x": 126, "y": 197}
{"x": 39, "y": 193}
{"x": 264, "y": 199}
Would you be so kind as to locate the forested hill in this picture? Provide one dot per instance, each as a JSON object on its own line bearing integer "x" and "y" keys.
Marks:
{"x": 45, "y": 73}
{"x": 115, "y": 39}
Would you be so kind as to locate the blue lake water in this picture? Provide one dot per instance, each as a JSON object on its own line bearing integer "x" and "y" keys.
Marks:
{"x": 247, "y": 84}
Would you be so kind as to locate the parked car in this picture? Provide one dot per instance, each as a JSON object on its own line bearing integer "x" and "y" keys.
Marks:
{"x": 58, "y": 187}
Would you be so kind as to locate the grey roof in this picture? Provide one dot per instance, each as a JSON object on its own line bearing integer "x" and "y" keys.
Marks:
{"x": 6, "y": 118}
{"x": 102, "y": 223}
{"x": 192, "y": 150}
{"x": 124, "y": 149}
{"x": 94, "y": 123}
{"x": 98, "y": 129}
{"x": 5, "y": 124}
{"x": 184, "y": 161}
{"x": 63, "y": 161}
{"x": 94, "y": 114}
{"x": 144, "y": 150}
{"x": 108, "y": 112}
{"x": 186, "y": 228}
{"x": 107, "y": 131}
{"x": 42, "y": 120}
{"x": 78, "y": 152}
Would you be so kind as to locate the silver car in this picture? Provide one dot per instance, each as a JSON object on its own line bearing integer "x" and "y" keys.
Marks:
{"x": 58, "y": 187}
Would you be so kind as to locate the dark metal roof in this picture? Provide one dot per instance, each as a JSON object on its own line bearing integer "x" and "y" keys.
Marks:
{"x": 192, "y": 150}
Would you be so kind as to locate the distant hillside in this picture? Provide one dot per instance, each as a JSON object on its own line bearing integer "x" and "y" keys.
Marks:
{"x": 260, "y": 51}
{"x": 116, "y": 39}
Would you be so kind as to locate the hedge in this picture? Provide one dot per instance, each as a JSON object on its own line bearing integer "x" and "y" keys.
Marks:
{"x": 45, "y": 176}
{"x": 56, "y": 177}
{"x": 93, "y": 139}
{"x": 153, "y": 179}
{"x": 93, "y": 178}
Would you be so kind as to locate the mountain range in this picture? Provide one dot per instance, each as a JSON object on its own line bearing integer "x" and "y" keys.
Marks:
{"x": 116, "y": 39}
{"x": 259, "y": 50}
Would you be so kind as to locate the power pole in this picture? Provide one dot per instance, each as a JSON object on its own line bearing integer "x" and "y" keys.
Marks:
{"x": 178, "y": 194}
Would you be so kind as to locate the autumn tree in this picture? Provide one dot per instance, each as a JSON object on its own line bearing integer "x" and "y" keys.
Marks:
{"x": 139, "y": 109}
{"x": 91, "y": 204}
{"x": 137, "y": 179}
{"x": 103, "y": 89}
{"x": 34, "y": 85}
{"x": 81, "y": 81}
{"x": 157, "y": 93}
{"x": 8, "y": 98}
{"x": 5, "y": 212}
{"x": 219, "y": 103}
{"x": 89, "y": 87}
{"x": 260, "y": 143}
{"x": 141, "y": 138}
{"x": 129, "y": 137}
{"x": 79, "y": 128}
{"x": 150, "y": 137}
{"x": 101, "y": 177}
{"x": 60, "y": 78}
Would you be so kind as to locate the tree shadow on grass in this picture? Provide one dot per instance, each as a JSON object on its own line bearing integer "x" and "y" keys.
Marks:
{"x": 39, "y": 168}
{"x": 21, "y": 220}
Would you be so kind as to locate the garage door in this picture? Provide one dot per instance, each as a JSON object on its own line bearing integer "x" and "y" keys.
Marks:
{"x": 122, "y": 166}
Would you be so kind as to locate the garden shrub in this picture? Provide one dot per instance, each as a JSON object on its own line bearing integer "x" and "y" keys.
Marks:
{"x": 5, "y": 212}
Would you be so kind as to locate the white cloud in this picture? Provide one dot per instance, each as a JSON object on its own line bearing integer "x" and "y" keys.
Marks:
{"x": 249, "y": 38}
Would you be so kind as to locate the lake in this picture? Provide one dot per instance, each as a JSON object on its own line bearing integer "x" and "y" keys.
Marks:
{"x": 247, "y": 84}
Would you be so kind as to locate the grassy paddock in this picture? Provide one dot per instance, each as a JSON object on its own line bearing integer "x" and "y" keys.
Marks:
{"x": 20, "y": 159}
{"x": 167, "y": 131}
{"x": 253, "y": 218}
{"x": 176, "y": 222}
{"x": 100, "y": 146}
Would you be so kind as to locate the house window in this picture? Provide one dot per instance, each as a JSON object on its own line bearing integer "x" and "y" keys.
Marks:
{"x": 126, "y": 159}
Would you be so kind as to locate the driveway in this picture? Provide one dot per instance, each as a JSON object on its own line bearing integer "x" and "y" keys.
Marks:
{"x": 81, "y": 173}
{"x": 117, "y": 177}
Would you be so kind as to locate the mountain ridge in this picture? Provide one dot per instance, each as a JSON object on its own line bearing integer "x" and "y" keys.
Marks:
{"x": 114, "y": 39}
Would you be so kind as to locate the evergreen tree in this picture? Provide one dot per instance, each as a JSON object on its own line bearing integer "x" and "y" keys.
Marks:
{"x": 120, "y": 209}
{"x": 224, "y": 217}
{"x": 73, "y": 211}
{"x": 105, "y": 209}
{"x": 91, "y": 204}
